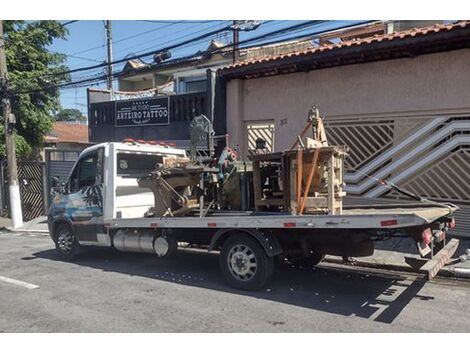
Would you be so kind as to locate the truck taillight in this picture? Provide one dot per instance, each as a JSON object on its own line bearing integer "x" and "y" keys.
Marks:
{"x": 451, "y": 224}
{"x": 426, "y": 236}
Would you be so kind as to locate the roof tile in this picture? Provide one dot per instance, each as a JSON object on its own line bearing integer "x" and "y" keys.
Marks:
{"x": 70, "y": 132}
{"x": 376, "y": 38}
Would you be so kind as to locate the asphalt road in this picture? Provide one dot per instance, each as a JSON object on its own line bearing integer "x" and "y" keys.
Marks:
{"x": 106, "y": 291}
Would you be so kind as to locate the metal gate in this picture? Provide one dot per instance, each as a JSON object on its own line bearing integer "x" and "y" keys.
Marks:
{"x": 31, "y": 179}
{"x": 427, "y": 155}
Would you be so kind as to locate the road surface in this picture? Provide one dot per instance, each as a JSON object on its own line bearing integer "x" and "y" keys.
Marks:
{"x": 106, "y": 291}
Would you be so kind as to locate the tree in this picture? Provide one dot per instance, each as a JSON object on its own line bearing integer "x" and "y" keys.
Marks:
{"x": 69, "y": 115}
{"x": 33, "y": 73}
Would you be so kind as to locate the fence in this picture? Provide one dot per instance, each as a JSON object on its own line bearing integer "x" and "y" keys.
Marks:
{"x": 32, "y": 184}
{"x": 34, "y": 178}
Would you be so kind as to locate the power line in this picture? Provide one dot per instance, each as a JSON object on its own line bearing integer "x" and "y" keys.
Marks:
{"x": 181, "y": 37}
{"x": 146, "y": 32}
{"x": 205, "y": 35}
{"x": 77, "y": 57}
{"x": 116, "y": 75}
{"x": 127, "y": 38}
{"x": 69, "y": 22}
{"x": 202, "y": 36}
{"x": 206, "y": 21}
{"x": 133, "y": 46}
{"x": 257, "y": 38}
{"x": 276, "y": 33}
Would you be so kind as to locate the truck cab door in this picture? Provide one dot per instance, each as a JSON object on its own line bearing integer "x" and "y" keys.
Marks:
{"x": 85, "y": 196}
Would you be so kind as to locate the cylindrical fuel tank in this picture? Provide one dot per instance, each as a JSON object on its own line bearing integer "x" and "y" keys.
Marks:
{"x": 129, "y": 240}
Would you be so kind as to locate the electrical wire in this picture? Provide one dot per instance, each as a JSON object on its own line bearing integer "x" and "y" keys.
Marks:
{"x": 163, "y": 21}
{"x": 68, "y": 22}
{"x": 202, "y": 36}
{"x": 276, "y": 33}
{"x": 263, "y": 36}
{"x": 127, "y": 38}
{"x": 205, "y": 35}
{"x": 173, "y": 39}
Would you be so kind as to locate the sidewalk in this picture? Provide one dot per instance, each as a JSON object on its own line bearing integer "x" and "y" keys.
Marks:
{"x": 36, "y": 225}
{"x": 391, "y": 255}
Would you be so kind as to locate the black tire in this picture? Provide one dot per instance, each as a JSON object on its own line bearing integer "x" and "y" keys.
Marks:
{"x": 244, "y": 263}
{"x": 66, "y": 242}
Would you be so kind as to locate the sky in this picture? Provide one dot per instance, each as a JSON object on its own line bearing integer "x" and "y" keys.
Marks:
{"x": 86, "y": 44}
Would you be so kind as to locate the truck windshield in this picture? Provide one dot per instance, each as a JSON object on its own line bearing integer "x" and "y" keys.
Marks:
{"x": 136, "y": 165}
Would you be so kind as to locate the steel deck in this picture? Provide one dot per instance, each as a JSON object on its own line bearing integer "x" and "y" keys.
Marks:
{"x": 354, "y": 218}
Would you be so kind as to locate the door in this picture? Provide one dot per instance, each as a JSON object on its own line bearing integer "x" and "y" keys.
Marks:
{"x": 85, "y": 197}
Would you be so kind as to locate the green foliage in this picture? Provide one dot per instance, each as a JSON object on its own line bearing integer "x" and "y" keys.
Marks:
{"x": 30, "y": 66}
{"x": 69, "y": 115}
{"x": 22, "y": 148}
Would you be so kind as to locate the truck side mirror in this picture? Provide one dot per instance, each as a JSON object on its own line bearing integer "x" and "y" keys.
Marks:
{"x": 57, "y": 187}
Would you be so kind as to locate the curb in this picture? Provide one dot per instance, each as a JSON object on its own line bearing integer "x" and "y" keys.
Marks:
{"x": 10, "y": 230}
{"x": 26, "y": 230}
{"x": 461, "y": 273}
{"x": 31, "y": 230}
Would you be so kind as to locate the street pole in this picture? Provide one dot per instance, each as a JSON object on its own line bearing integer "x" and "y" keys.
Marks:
{"x": 109, "y": 45}
{"x": 9, "y": 120}
{"x": 236, "y": 39}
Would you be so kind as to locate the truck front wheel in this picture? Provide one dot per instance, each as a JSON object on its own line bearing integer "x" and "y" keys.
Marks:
{"x": 244, "y": 263}
{"x": 66, "y": 243}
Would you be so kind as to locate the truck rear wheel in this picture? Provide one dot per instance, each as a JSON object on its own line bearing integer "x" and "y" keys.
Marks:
{"x": 244, "y": 263}
{"x": 66, "y": 242}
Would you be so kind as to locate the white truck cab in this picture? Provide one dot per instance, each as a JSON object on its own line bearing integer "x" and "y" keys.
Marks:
{"x": 103, "y": 186}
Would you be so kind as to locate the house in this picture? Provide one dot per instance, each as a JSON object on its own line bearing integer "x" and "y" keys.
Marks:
{"x": 399, "y": 100}
{"x": 66, "y": 140}
{"x": 186, "y": 75}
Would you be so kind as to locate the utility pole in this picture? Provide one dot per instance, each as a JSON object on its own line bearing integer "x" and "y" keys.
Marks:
{"x": 236, "y": 39}
{"x": 9, "y": 120}
{"x": 109, "y": 45}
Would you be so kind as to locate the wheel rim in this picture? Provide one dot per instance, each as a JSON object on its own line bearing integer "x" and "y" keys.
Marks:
{"x": 242, "y": 262}
{"x": 65, "y": 241}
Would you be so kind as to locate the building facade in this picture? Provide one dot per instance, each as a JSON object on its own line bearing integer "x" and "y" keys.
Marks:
{"x": 400, "y": 102}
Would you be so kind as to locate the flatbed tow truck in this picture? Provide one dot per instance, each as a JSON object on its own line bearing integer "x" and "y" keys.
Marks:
{"x": 144, "y": 196}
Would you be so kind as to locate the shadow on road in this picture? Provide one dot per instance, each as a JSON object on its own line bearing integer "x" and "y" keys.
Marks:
{"x": 376, "y": 297}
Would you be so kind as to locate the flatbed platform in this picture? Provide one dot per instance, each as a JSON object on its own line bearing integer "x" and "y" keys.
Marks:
{"x": 373, "y": 217}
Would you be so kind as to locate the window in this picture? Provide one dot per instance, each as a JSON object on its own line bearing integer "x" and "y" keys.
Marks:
{"x": 196, "y": 86}
{"x": 137, "y": 165}
{"x": 88, "y": 171}
{"x": 259, "y": 137}
{"x": 190, "y": 85}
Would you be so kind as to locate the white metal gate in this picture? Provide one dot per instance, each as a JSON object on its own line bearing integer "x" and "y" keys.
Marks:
{"x": 429, "y": 156}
